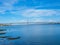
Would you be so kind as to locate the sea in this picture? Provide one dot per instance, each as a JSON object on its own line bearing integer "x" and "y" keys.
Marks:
{"x": 31, "y": 34}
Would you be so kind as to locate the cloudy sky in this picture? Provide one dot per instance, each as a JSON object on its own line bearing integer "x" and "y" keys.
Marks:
{"x": 29, "y": 10}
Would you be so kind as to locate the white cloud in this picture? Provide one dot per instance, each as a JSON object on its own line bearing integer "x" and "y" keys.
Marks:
{"x": 51, "y": 20}
{"x": 2, "y": 11}
{"x": 37, "y": 13}
{"x": 23, "y": 20}
{"x": 9, "y": 1}
{"x": 36, "y": 20}
{"x": 7, "y": 5}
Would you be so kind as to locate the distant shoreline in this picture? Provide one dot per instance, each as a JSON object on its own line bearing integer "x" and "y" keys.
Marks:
{"x": 8, "y": 24}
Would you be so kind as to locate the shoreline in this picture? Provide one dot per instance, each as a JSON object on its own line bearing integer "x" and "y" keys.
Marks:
{"x": 25, "y": 24}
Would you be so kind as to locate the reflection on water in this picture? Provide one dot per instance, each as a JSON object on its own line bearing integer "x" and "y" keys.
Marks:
{"x": 30, "y": 35}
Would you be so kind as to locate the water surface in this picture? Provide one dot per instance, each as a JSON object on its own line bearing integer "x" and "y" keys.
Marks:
{"x": 47, "y": 34}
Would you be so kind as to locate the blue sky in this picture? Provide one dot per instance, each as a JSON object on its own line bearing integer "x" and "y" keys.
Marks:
{"x": 12, "y": 11}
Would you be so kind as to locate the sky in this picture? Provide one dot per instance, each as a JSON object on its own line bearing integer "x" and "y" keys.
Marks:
{"x": 12, "y": 11}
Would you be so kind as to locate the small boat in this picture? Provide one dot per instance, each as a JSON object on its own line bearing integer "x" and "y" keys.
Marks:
{"x": 13, "y": 38}
{"x": 2, "y": 29}
{"x": 3, "y": 36}
{"x": 2, "y": 33}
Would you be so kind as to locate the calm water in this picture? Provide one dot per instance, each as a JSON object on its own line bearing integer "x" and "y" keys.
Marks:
{"x": 32, "y": 34}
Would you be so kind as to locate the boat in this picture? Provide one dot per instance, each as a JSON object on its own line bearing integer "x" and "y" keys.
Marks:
{"x": 2, "y": 29}
{"x": 3, "y": 36}
{"x": 13, "y": 38}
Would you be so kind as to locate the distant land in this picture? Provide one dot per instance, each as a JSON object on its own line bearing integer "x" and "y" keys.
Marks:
{"x": 26, "y": 23}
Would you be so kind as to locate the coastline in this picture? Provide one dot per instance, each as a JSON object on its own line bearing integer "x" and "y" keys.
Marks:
{"x": 30, "y": 23}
